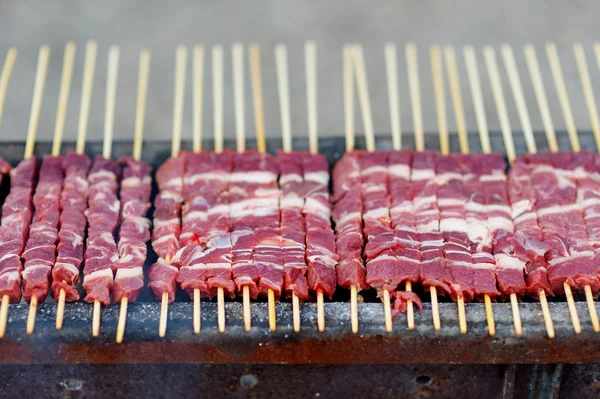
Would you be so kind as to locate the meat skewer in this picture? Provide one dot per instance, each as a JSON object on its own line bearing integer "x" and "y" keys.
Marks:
{"x": 167, "y": 215}
{"x": 103, "y": 209}
{"x": 65, "y": 273}
{"x": 476, "y": 205}
{"x": 392, "y": 79}
{"x": 473, "y": 75}
{"x": 303, "y": 181}
{"x": 371, "y": 190}
{"x": 534, "y": 283}
{"x": 41, "y": 249}
{"x": 415, "y": 95}
{"x": 135, "y": 202}
{"x": 9, "y": 63}
{"x": 29, "y": 168}
{"x": 592, "y": 110}
{"x": 275, "y": 274}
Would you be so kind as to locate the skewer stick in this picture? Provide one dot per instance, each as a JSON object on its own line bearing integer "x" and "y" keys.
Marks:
{"x": 415, "y": 94}
{"x": 540, "y": 94}
{"x": 464, "y": 140}
{"x": 198, "y": 98}
{"x": 63, "y": 101}
{"x": 283, "y": 86}
{"x": 140, "y": 114}
{"x": 7, "y": 69}
{"x": 63, "y": 97}
{"x": 109, "y": 122}
{"x": 257, "y": 96}
{"x": 349, "y": 98}
{"x": 38, "y": 94}
{"x": 417, "y": 115}
{"x": 592, "y": 110}
{"x": 286, "y": 133}
{"x": 391, "y": 68}
{"x": 310, "y": 62}
{"x": 494, "y": 75}
{"x": 438, "y": 84}
{"x": 240, "y": 134}
{"x": 198, "y": 76}
{"x": 586, "y": 84}
{"x": 178, "y": 104}
{"x": 350, "y": 142}
{"x": 391, "y": 65}
{"x": 563, "y": 97}
{"x": 365, "y": 106}
{"x": 86, "y": 95}
{"x": 459, "y": 113}
{"x": 84, "y": 110}
{"x": 261, "y": 144}
{"x": 217, "y": 76}
{"x": 3, "y": 314}
{"x": 589, "y": 297}
{"x": 517, "y": 90}
{"x": 310, "y": 51}
{"x": 238, "y": 89}
{"x": 484, "y": 134}
{"x": 568, "y": 115}
{"x": 475, "y": 84}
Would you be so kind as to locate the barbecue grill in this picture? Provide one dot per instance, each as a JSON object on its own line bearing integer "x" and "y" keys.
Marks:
{"x": 482, "y": 351}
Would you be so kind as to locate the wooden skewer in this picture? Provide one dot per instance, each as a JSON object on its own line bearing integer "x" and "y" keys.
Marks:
{"x": 240, "y": 134}
{"x": 494, "y": 75}
{"x": 475, "y": 83}
{"x": 217, "y": 76}
{"x": 286, "y": 133}
{"x": 450, "y": 57}
{"x": 391, "y": 67}
{"x": 84, "y": 109}
{"x": 238, "y": 93}
{"x": 540, "y": 94}
{"x": 391, "y": 64}
{"x": 140, "y": 116}
{"x": 63, "y": 100}
{"x": 9, "y": 63}
{"x": 261, "y": 145}
{"x": 563, "y": 97}
{"x": 350, "y": 142}
{"x": 198, "y": 77}
{"x": 178, "y": 105}
{"x": 109, "y": 122}
{"x": 310, "y": 51}
{"x": 36, "y": 107}
{"x": 198, "y": 81}
{"x": 592, "y": 110}
{"x": 438, "y": 83}
{"x": 365, "y": 106}
{"x": 550, "y": 133}
{"x": 310, "y": 62}
{"x": 417, "y": 114}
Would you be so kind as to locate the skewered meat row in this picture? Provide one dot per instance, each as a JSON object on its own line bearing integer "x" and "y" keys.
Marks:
{"x": 205, "y": 255}
{"x": 167, "y": 226}
{"x": 16, "y": 217}
{"x": 558, "y": 205}
{"x": 255, "y": 224}
{"x": 134, "y": 233}
{"x": 240, "y": 229}
{"x": 40, "y": 251}
{"x": 103, "y": 218}
{"x": 71, "y": 236}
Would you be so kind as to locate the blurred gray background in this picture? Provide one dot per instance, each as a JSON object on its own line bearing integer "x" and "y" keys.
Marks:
{"x": 162, "y": 25}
